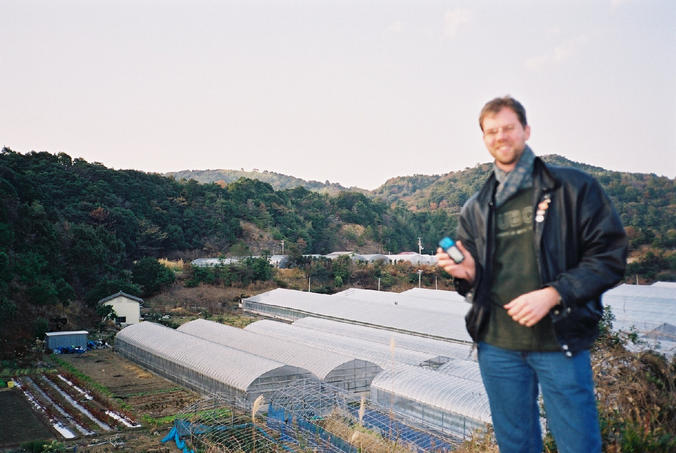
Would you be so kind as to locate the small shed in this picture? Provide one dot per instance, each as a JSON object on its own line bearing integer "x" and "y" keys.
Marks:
{"x": 127, "y": 307}
{"x": 67, "y": 339}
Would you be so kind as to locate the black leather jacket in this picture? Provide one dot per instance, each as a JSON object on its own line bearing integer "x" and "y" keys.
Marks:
{"x": 580, "y": 246}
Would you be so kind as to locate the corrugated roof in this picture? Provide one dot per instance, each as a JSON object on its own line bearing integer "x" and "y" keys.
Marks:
{"x": 69, "y": 332}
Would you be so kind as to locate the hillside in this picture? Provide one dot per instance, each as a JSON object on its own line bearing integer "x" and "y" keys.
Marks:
{"x": 72, "y": 232}
{"x": 278, "y": 181}
{"x": 646, "y": 202}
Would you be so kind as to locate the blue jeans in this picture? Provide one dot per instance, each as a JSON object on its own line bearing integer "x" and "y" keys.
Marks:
{"x": 511, "y": 380}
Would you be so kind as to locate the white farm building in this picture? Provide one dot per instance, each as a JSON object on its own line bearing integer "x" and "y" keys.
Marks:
{"x": 127, "y": 307}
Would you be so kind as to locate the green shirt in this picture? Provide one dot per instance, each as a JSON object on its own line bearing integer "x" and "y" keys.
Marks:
{"x": 515, "y": 272}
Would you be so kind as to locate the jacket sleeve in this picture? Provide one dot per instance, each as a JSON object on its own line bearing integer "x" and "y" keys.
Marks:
{"x": 467, "y": 233}
{"x": 601, "y": 252}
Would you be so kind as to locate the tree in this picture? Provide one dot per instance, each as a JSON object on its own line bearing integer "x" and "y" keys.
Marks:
{"x": 151, "y": 275}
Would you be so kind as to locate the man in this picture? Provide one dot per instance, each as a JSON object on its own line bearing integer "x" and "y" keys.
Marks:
{"x": 541, "y": 244}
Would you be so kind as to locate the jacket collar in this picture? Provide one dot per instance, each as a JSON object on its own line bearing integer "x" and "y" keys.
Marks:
{"x": 543, "y": 179}
{"x": 543, "y": 176}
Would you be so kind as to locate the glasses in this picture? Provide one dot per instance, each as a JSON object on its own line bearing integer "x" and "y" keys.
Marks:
{"x": 494, "y": 131}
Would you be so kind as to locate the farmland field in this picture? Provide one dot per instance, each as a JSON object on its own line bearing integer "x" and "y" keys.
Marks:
{"x": 148, "y": 399}
{"x": 144, "y": 392}
{"x": 19, "y": 422}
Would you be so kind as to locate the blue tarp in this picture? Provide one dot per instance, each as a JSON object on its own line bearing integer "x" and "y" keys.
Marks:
{"x": 173, "y": 434}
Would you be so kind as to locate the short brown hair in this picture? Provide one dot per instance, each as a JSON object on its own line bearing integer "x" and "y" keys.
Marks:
{"x": 495, "y": 105}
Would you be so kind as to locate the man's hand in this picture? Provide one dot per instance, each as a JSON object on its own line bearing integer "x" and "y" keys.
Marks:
{"x": 528, "y": 309}
{"x": 465, "y": 270}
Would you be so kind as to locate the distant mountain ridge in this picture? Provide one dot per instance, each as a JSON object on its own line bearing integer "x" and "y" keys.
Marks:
{"x": 278, "y": 181}
{"x": 449, "y": 191}
{"x": 418, "y": 192}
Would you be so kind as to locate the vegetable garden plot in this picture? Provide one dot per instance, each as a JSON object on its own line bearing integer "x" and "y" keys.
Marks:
{"x": 19, "y": 422}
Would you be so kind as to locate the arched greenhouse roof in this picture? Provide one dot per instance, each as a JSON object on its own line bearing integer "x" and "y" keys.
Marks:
{"x": 418, "y": 299}
{"x": 380, "y": 354}
{"x": 237, "y": 369}
{"x": 404, "y": 318}
{"x": 465, "y": 369}
{"x": 318, "y": 361}
{"x": 385, "y": 337}
{"x": 448, "y": 393}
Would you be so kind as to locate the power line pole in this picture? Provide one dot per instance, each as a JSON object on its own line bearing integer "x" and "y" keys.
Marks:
{"x": 420, "y": 247}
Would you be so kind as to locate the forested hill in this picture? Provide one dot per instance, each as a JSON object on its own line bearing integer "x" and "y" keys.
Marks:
{"x": 646, "y": 202}
{"x": 278, "y": 181}
{"x": 451, "y": 190}
{"x": 70, "y": 230}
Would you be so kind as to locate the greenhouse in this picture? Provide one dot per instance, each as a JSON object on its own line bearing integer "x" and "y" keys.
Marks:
{"x": 461, "y": 368}
{"x": 291, "y": 305}
{"x": 453, "y": 405}
{"x": 385, "y": 337}
{"x": 343, "y": 371}
{"x": 448, "y": 302}
{"x": 306, "y": 416}
{"x": 206, "y": 367}
{"x": 384, "y": 356}
{"x": 650, "y": 309}
{"x": 443, "y": 295}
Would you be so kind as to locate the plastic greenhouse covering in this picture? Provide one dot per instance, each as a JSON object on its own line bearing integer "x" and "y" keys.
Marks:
{"x": 292, "y": 305}
{"x": 204, "y": 366}
{"x": 462, "y": 369}
{"x": 426, "y": 293}
{"x": 452, "y": 404}
{"x": 645, "y": 307}
{"x": 384, "y": 356}
{"x": 671, "y": 285}
{"x": 385, "y": 337}
{"x": 651, "y": 310}
{"x": 340, "y": 370}
{"x": 421, "y": 299}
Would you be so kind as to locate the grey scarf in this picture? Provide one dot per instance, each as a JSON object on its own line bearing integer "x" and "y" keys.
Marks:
{"x": 519, "y": 178}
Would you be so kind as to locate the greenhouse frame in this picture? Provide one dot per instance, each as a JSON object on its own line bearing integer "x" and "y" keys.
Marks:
{"x": 340, "y": 370}
{"x": 201, "y": 365}
{"x": 307, "y": 416}
{"x": 382, "y": 355}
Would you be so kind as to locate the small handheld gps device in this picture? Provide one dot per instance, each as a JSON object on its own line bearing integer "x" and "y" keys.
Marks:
{"x": 448, "y": 245}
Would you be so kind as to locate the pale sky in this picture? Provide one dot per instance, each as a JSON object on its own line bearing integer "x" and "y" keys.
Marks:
{"x": 353, "y": 92}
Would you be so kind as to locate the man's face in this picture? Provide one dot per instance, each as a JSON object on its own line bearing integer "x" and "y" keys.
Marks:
{"x": 505, "y": 138}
